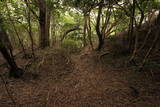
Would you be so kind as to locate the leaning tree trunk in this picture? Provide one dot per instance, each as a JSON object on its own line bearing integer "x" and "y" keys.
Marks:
{"x": 154, "y": 43}
{"x": 4, "y": 47}
{"x": 14, "y": 70}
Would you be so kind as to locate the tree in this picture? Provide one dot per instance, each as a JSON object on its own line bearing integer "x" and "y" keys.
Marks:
{"x": 99, "y": 33}
{"x": 5, "y": 45}
{"x": 102, "y": 23}
{"x": 45, "y": 8}
{"x": 85, "y": 7}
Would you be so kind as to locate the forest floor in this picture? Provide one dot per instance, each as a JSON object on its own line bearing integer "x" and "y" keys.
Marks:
{"x": 58, "y": 78}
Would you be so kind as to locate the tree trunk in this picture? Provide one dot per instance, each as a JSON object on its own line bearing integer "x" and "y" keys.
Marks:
{"x": 48, "y": 23}
{"x": 85, "y": 30}
{"x": 4, "y": 44}
{"x": 89, "y": 30}
{"x": 14, "y": 70}
{"x": 137, "y": 28}
{"x": 44, "y": 21}
{"x": 53, "y": 33}
{"x": 30, "y": 31}
{"x": 100, "y": 36}
{"x": 154, "y": 43}
{"x": 131, "y": 28}
{"x": 14, "y": 27}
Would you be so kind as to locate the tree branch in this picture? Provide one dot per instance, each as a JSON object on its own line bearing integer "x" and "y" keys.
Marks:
{"x": 68, "y": 31}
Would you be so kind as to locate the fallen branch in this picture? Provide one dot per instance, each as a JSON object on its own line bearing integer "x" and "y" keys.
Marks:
{"x": 7, "y": 90}
{"x": 155, "y": 41}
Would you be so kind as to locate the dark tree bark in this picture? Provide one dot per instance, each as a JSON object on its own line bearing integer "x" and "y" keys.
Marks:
{"x": 44, "y": 21}
{"x": 100, "y": 35}
{"x": 43, "y": 18}
{"x": 5, "y": 45}
{"x": 15, "y": 71}
{"x": 89, "y": 30}
{"x": 137, "y": 28}
{"x": 131, "y": 27}
{"x": 48, "y": 25}
{"x": 85, "y": 30}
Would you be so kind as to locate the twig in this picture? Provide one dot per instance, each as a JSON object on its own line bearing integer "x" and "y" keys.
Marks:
{"x": 132, "y": 102}
{"x": 67, "y": 59}
{"x": 7, "y": 90}
{"x": 47, "y": 99}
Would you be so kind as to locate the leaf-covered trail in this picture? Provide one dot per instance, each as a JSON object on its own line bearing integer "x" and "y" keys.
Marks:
{"x": 98, "y": 86}
{"x": 58, "y": 79}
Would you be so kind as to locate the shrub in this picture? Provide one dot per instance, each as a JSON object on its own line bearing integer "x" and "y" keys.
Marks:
{"x": 71, "y": 45}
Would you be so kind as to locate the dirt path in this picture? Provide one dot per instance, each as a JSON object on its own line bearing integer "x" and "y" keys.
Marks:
{"x": 73, "y": 80}
{"x": 94, "y": 87}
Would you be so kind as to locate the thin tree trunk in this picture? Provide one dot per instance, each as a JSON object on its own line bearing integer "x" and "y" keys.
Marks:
{"x": 89, "y": 30}
{"x": 131, "y": 30}
{"x": 30, "y": 31}
{"x": 156, "y": 39}
{"x": 85, "y": 30}
{"x": 154, "y": 43}
{"x": 14, "y": 27}
{"x": 106, "y": 23}
{"x": 145, "y": 40}
{"x": 98, "y": 31}
{"x": 137, "y": 28}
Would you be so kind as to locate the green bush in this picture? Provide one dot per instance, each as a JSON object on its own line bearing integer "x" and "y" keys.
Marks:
{"x": 71, "y": 45}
